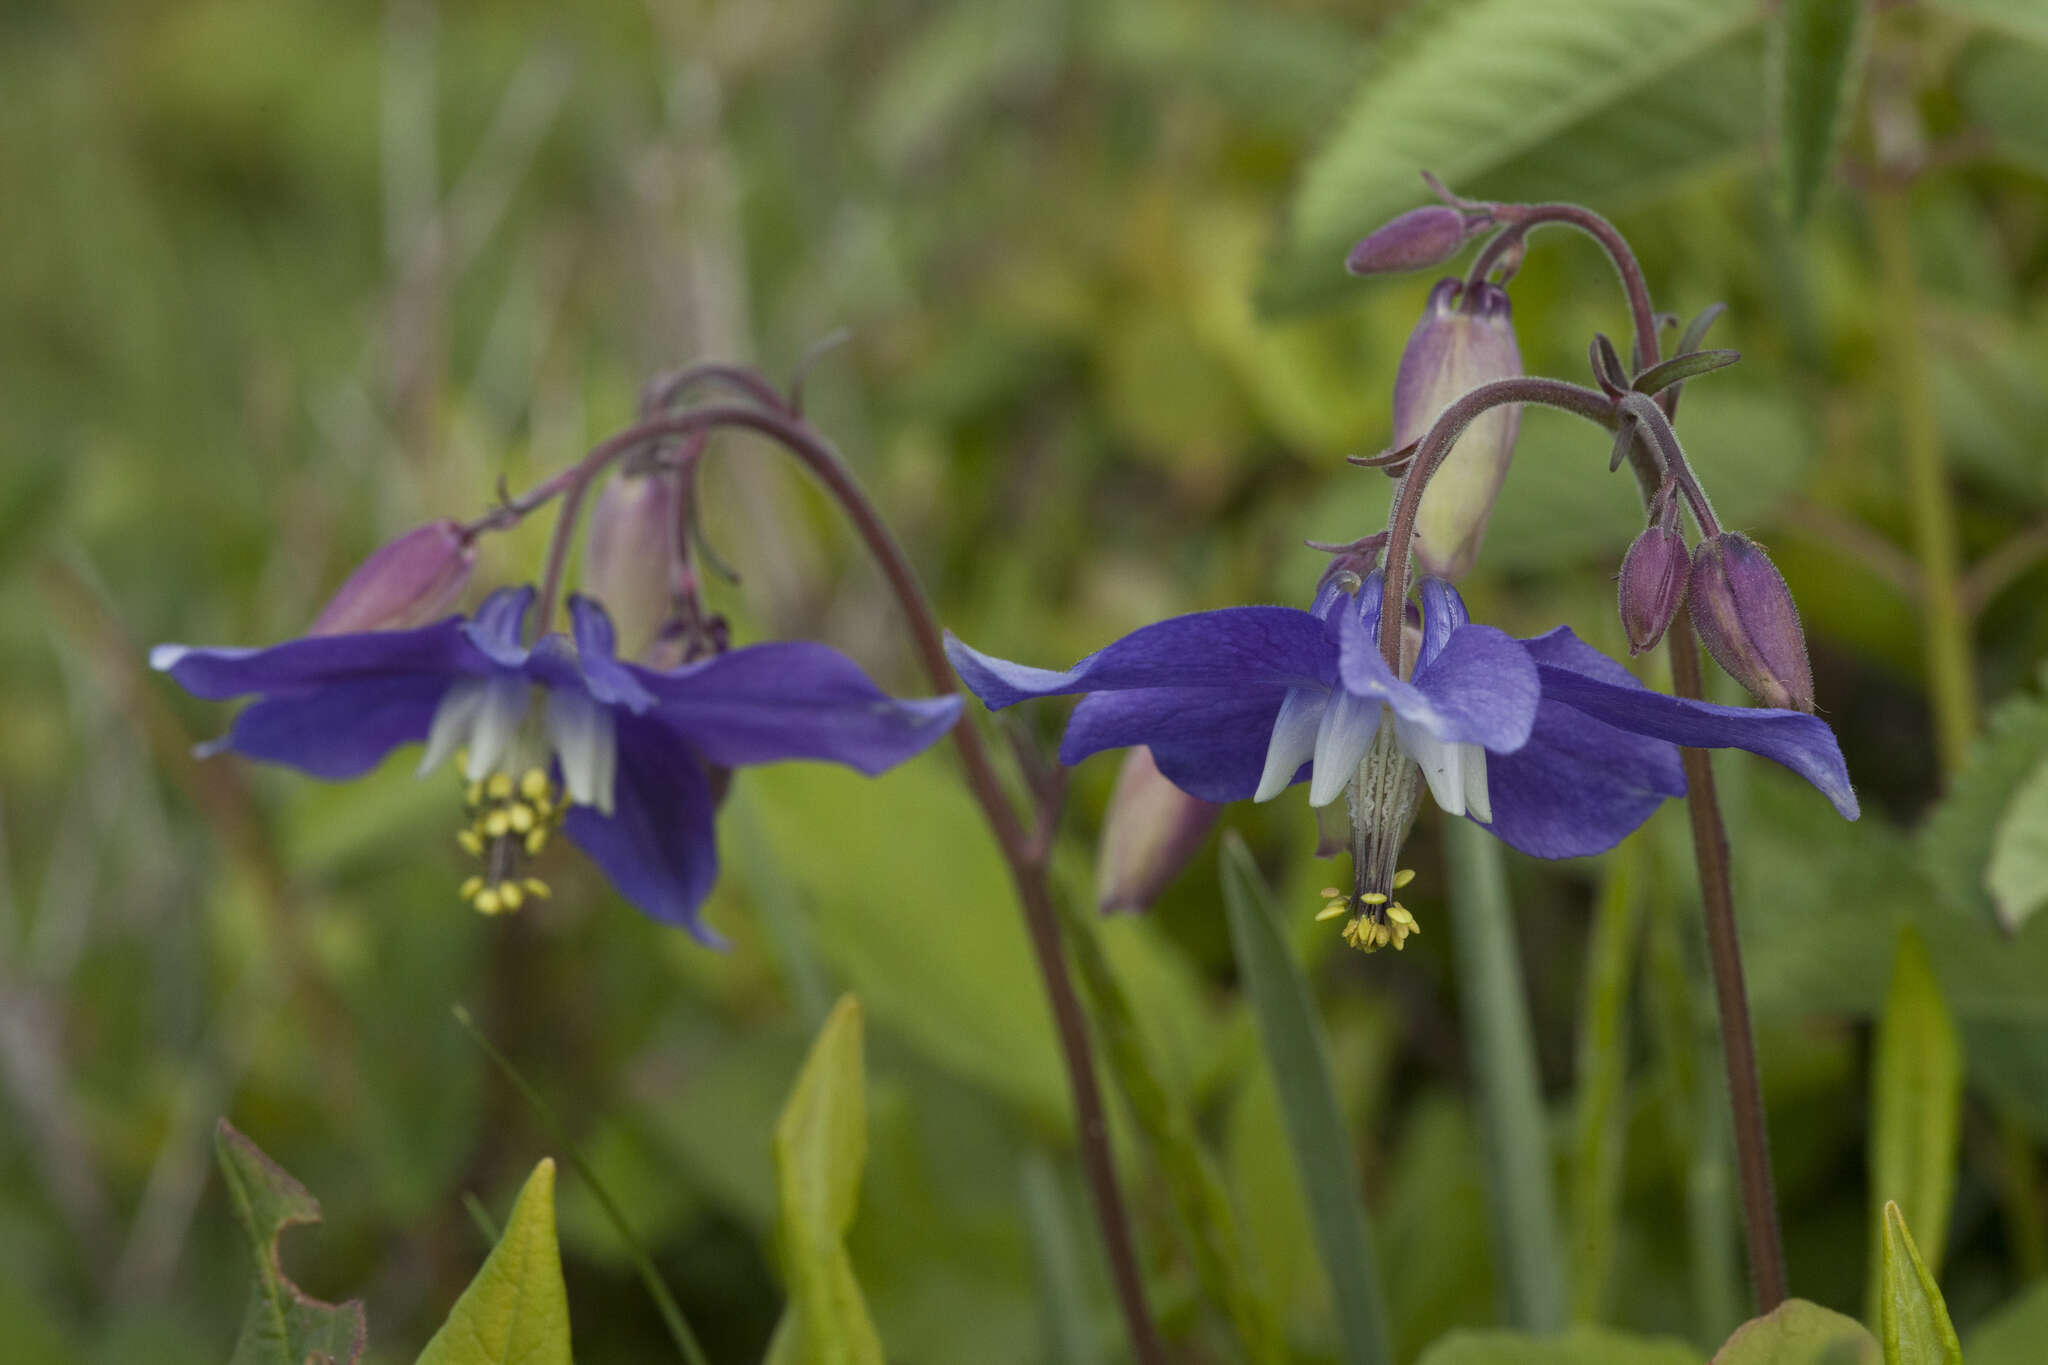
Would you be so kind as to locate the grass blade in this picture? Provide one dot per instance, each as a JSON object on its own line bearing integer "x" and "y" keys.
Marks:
{"x": 1292, "y": 1036}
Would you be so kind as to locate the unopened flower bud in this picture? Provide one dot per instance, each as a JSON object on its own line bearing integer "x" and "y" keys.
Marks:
{"x": 630, "y": 555}
{"x": 1416, "y": 240}
{"x": 1745, "y": 615}
{"x": 1653, "y": 576}
{"x": 1152, "y": 830}
{"x": 1465, "y": 339}
{"x": 409, "y": 582}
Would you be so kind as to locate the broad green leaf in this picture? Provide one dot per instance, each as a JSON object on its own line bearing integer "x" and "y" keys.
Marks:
{"x": 1528, "y": 1252}
{"x": 1291, "y": 1034}
{"x": 821, "y": 1145}
{"x": 1956, "y": 844}
{"x": 1916, "y": 1110}
{"x": 516, "y": 1310}
{"x": 1800, "y": 1333}
{"x": 1817, "y": 49}
{"x": 2017, "y": 875}
{"x": 284, "y": 1324}
{"x": 1915, "y": 1326}
{"x": 2013, "y": 1335}
{"x": 1579, "y": 1346}
{"x": 1602, "y": 100}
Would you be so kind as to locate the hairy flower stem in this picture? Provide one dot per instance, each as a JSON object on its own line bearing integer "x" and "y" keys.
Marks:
{"x": 1710, "y": 838}
{"x": 1026, "y": 853}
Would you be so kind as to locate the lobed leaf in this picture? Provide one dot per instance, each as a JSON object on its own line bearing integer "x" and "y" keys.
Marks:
{"x": 284, "y": 1325}
{"x": 2017, "y": 875}
{"x": 1956, "y": 844}
{"x": 1797, "y": 1332}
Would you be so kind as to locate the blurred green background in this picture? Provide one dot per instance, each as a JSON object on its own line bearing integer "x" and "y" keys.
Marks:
{"x": 281, "y": 279}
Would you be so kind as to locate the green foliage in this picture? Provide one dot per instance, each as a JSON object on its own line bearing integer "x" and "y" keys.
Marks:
{"x": 1916, "y": 1109}
{"x": 1489, "y": 94}
{"x": 2013, "y": 1335}
{"x": 1797, "y": 1332}
{"x": 1817, "y": 51}
{"x": 2017, "y": 874}
{"x": 516, "y": 1310}
{"x": 1578, "y": 1346}
{"x": 821, "y": 1146}
{"x": 1915, "y": 1325}
{"x": 1298, "y": 1055}
{"x": 284, "y": 1324}
{"x": 1956, "y": 848}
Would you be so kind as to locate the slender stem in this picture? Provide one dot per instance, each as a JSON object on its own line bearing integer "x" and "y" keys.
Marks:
{"x": 1025, "y": 856}
{"x": 1951, "y": 671}
{"x": 1731, "y": 996}
{"x": 1521, "y": 218}
{"x": 1590, "y": 404}
{"x": 1652, "y": 418}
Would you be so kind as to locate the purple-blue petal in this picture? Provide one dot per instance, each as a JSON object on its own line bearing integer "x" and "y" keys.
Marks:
{"x": 1443, "y": 611}
{"x": 658, "y": 846}
{"x": 1799, "y": 741}
{"x": 499, "y": 623}
{"x": 1480, "y": 689}
{"x": 1268, "y": 647}
{"x": 1209, "y": 742}
{"x": 610, "y": 681}
{"x": 793, "y": 700}
{"x": 339, "y": 731}
{"x": 320, "y": 661}
{"x": 1578, "y": 787}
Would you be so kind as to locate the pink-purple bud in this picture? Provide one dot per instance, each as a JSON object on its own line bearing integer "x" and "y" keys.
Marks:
{"x": 1417, "y": 240}
{"x": 1745, "y": 615}
{"x": 1152, "y": 830}
{"x": 1465, "y": 339}
{"x": 630, "y": 555}
{"x": 1653, "y": 577}
{"x": 409, "y": 582}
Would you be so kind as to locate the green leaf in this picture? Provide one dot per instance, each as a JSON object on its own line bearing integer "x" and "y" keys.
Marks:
{"x": 1915, "y": 1325}
{"x": 1917, "y": 1107}
{"x": 1528, "y": 1253}
{"x": 1057, "y": 1252}
{"x": 821, "y": 1146}
{"x": 1292, "y": 1035}
{"x": 2013, "y": 1335}
{"x": 1955, "y": 847}
{"x": 1605, "y": 100}
{"x": 1579, "y": 1346}
{"x": 2008, "y": 18}
{"x": 2002, "y": 83}
{"x": 1600, "y": 1126}
{"x": 1817, "y": 53}
{"x": 284, "y": 1324}
{"x": 1800, "y": 1333}
{"x": 1680, "y": 368}
{"x": 516, "y": 1309}
{"x": 2017, "y": 875}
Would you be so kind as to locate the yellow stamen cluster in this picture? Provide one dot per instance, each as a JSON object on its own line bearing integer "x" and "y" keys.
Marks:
{"x": 509, "y": 824}
{"x": 1376, "y": 920}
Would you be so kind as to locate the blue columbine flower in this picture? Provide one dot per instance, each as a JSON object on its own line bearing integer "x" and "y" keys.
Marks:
{"x": 632, "y": 746}
{"x": 1547, "y": 742}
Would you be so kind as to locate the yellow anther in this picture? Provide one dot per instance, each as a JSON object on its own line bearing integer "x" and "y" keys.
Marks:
{"x": 536, "y": 840}
{"x": 1403, "y": 877}
{"x": 470, "y": 886}
{"x": 498, "y": 787}
{"x": 1332, "y": 910}
{"x": 521, "y": 816}
{"x": 510, "y": 896}
{"x": 486, "y": 901}
{"x": 1374, "y": 898}
{"x": 1330, "y": 893}
{"x": 472, "y": 842}
{"x": 1398, "y": 913}
{"x": 536, "y": 888}
{"x": 497, "y": 823}
{"x": 475, "y": 794}
{"x": 533, "y": 784}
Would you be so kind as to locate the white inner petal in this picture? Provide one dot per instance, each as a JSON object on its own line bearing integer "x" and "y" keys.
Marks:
{"x": 1341, "y": 741}
{"x": 1443, "y": 765}
{"x": 453, "y": 720}
{"x": 1293, "y": 742}
{"x": 1478, "y": 800}
{"x": 587, "y": 743}
{"x": 500, "y": 712}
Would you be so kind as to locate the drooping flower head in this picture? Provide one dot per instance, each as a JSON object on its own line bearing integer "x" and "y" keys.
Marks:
{"x": 1551, "y": 745}
{"x": 559, "y": 733}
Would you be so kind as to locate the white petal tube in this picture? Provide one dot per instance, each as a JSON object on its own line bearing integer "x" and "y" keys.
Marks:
{"x": 1346, "y": 733}
{"x": 1293, "y": 742}
{"x": 586, "y": 741}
